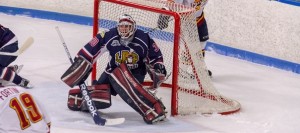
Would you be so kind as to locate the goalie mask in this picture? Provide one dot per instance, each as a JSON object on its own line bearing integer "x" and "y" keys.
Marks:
{"x": 126, "y": 26}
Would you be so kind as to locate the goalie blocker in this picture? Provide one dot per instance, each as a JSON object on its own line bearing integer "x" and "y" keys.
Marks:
{"x": 132, "y": 92}
{"x": 77, "y": 72}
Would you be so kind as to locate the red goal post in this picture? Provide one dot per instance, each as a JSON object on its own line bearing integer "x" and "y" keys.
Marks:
{"x": 192, "y": 89}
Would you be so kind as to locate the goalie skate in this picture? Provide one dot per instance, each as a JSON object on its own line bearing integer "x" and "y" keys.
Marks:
{"x": 26, "y": 84}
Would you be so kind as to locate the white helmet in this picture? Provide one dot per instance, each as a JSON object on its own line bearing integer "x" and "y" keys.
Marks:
{"x": 126, "y": 26}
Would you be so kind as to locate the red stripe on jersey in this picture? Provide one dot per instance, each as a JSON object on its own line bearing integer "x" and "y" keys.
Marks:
{"x": 85, "y": 55}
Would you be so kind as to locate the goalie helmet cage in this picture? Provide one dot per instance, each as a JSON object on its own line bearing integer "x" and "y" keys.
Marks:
{"x": 192, "y": 88}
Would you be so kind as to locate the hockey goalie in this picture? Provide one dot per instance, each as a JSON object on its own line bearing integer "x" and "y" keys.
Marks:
{"x": 132, "y": 54}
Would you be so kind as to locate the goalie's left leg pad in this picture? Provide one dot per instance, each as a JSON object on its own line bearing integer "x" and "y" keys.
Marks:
{"x": 133, "y": 93}
{"x": 100, "y": 95}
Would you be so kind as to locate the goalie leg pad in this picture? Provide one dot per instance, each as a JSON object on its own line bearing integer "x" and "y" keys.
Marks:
{"x": 77, "y": 72}
{"x": 100, "y": 95}
{"x": 133, "y": 93}
{"x": 74, "y": 99}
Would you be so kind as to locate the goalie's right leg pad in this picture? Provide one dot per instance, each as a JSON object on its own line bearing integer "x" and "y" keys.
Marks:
{"x": 133, "y": 93}
{"x": 100, "y": 95}
{"x": 74, "y": 99}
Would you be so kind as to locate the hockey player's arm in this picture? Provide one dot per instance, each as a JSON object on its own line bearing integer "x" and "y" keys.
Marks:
{"x": 93, "y": 49}
{"x": 155, "y": 57}
{"x": 82, "y": 65}
{"x": 156, "y": 69}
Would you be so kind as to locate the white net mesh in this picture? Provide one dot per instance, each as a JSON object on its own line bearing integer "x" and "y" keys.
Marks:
{"x": 195, "y": 91}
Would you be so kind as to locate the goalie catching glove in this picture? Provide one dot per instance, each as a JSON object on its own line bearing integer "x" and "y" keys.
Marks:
{"x": 158, "y": 75}
{"x": 160, "y": 69}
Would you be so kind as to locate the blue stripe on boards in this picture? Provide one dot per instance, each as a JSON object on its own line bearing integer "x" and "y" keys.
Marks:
{"x": 291, "y": 2}
{"x": 47, "y": 15}
{"x": 253, "y": 57}
{"x": 83, "y": 20}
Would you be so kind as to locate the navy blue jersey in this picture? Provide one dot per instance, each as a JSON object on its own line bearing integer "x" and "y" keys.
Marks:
{"x": 6, "y": 36}
{"x": 142, "y": 49}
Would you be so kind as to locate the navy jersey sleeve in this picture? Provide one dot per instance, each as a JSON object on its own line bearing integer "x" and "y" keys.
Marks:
{"x": 154, "y": 54}
{"x": 5, "y": 35}
{"x": 93, "y": 48}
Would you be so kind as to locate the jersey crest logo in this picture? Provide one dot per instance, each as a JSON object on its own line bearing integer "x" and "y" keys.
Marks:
{"x": 94, "y": 41}
{"x": 130, "y": 58}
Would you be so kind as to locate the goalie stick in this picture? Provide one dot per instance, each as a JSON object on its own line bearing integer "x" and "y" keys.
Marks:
{"x": 87, "y": 96}
{"x": 93, "y": 110}
{"x": 64, "y": 44}
{"x": 29, "y": 41}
